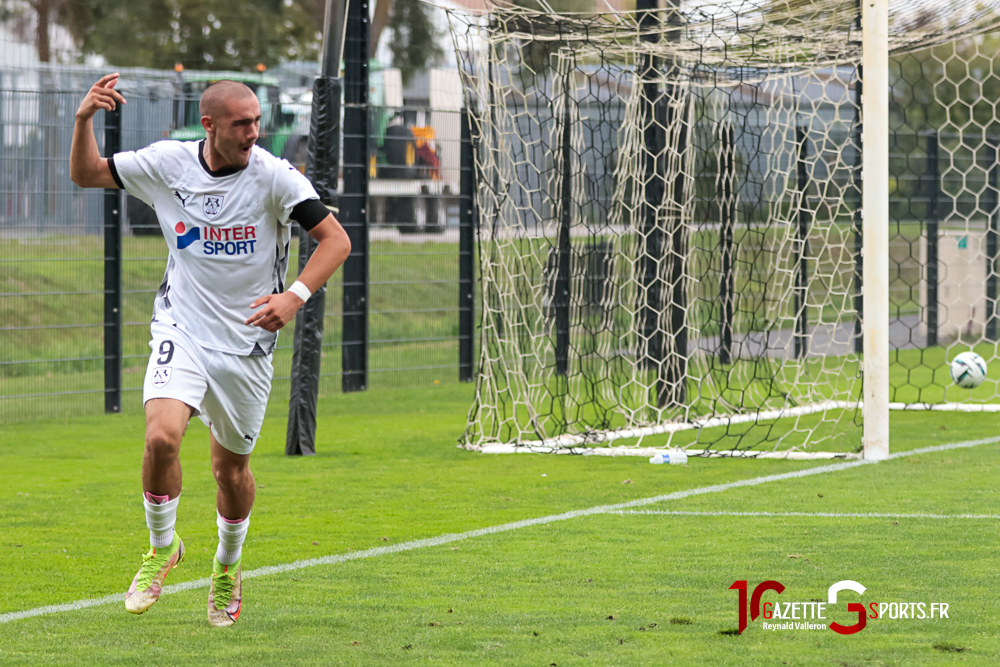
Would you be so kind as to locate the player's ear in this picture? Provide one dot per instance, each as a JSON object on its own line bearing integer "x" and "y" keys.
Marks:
{"x": 206, "y": 122}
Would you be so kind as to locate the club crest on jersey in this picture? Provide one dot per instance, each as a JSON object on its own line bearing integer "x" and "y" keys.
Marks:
{"x": 212, "y": 205}
{"x": 161, "y": 376}
{"x": 186, "y": 237}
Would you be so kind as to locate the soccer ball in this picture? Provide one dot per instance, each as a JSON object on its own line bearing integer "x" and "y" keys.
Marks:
{"x": 968, "y": 370}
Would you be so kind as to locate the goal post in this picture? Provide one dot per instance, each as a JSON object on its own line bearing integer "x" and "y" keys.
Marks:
{"x": 697, "y": 231}
{"x": 875, "y": 226}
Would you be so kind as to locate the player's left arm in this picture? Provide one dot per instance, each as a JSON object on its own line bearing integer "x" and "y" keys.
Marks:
{"x": 333, "y": 249}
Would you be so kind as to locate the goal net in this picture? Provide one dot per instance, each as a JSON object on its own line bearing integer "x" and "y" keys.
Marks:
{"x": 669, "y": 207}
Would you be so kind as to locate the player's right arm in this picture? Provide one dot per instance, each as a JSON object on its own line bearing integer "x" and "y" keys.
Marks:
{"x": 86, "y": 166}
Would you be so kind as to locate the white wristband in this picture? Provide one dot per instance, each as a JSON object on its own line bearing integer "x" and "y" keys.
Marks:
{"x": 300, "y": 290}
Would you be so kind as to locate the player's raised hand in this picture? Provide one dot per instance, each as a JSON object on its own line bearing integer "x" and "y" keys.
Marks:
{"x": 279, "y": 309}
{"x": 102, "y": 95}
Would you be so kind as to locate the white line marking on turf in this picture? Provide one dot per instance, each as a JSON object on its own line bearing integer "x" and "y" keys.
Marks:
{"x": 835, "y": 515}
{"x": 492, "y": 530}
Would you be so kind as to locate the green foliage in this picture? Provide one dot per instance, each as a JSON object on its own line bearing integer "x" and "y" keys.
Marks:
{"x": 415, "y": 39}
{"x": 199, "y": 34}
{"x": 947, "y": 91}
{"x": 536, "y": 55}
{"x": 559, "y": 6}
{"x": 947, "y": 87}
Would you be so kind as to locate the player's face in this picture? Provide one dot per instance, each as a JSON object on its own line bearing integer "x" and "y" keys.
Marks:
{"x": 236, "y": 130}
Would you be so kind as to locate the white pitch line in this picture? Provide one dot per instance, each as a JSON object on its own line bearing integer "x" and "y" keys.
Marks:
{"x": 835, "y": 515}
{"x": 492, "y": 530}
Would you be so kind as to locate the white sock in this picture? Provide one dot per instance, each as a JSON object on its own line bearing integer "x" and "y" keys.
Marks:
{"x": 161, "y": 515}
{"x": 231, "y": 536}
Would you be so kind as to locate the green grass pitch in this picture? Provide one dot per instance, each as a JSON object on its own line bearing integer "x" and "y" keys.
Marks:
{"x": 596, "y": 589}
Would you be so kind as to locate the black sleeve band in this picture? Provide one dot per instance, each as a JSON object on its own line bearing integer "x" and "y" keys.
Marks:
{"x": 309, "y": 213}
{"x": 114, "y": 172}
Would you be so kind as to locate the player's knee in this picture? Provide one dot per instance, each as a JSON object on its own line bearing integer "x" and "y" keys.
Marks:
{"x": 162, "y": 442}
{"x": 231, "y": 476}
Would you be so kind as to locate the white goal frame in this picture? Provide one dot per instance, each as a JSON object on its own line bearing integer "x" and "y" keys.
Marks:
{"x": 538, "y": 320}
{"x": 875, "y": 226}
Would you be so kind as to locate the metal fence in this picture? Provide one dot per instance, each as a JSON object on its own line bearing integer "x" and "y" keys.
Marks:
{"x": 57, "y": 263}
{"x": 58, "y": 323}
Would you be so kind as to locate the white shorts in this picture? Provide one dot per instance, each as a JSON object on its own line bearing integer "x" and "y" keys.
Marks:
{"x": 228, "y": 391}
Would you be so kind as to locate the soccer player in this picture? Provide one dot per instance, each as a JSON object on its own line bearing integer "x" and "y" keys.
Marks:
{"x": 225, "y": 206}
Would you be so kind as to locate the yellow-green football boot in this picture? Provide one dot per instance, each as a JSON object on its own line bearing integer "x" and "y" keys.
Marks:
{"x": 225, "y": 596}
{"x": 148, "y": 581}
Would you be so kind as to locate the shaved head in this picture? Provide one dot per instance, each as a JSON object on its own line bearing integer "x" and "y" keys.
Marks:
{"x": 230, "y": 114}
{"x": 215, "y": 97}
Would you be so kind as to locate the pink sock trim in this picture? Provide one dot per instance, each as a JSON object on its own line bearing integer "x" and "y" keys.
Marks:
{"x": 232, "y": 522}
{"x": 156, "y": 500}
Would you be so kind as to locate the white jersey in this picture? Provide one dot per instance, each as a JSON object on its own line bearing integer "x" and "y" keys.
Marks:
{"x": 227, "y": 233}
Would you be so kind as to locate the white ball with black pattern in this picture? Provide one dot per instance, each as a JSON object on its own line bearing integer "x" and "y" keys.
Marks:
{"x": 968, "y": 370}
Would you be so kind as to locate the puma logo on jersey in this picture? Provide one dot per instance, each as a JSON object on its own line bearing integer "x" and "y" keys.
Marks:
{"x": 184, "y": 200}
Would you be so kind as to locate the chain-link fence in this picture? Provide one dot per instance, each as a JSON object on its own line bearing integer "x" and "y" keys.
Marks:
{"x": 53, "y": 287}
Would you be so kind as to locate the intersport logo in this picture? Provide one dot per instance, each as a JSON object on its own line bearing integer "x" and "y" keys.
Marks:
{"x": 811, "y": 615}
{"x": 239, "y": 240}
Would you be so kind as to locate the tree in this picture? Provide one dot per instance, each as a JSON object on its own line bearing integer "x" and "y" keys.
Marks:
{"x": 563, "y": 6}
{"x": 44, "y": 11}
{"x": 380, "y": 19}
{"x": 536, "y": 55}
{"x": 199, "y": 34}
{"x": 414, "y": 44}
